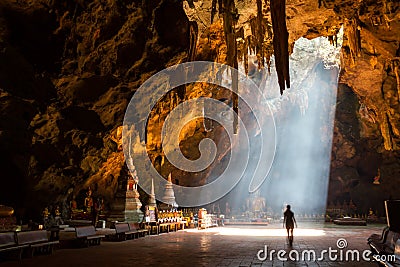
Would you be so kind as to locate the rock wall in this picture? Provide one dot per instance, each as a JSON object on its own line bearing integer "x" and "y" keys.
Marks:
{"x": 67, "y": 72}
{"x": 366, "y": 137}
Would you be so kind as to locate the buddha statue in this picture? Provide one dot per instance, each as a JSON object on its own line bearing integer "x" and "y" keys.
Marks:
{"x": 57, "y": 211}
{"x": 89, "y": 200}
{"x": 57, "y": 217}
{"x": 46, "y": 214}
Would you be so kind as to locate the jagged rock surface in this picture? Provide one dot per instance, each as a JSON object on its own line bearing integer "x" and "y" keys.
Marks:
{"x": 67, "y": 72}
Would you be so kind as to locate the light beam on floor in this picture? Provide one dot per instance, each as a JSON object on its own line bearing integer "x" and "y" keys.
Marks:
{"x": 237, "y": 231}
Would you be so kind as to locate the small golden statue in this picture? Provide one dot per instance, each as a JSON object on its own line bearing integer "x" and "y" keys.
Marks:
{"x": 371, "y": 212}
{"x": 89, "y": 200}
{"x": 46, "y": 214}
{"x": 57, "y": 211}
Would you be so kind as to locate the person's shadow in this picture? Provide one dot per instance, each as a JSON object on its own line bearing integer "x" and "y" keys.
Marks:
{"x": 290, "y": 241}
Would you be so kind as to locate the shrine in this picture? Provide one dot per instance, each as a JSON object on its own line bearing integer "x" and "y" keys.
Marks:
{"x": 169, "y": 196}
{"x": 127, "y": 206}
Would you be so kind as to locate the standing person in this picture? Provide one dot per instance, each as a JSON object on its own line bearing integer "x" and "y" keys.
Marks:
{"x": 289, "y": 221}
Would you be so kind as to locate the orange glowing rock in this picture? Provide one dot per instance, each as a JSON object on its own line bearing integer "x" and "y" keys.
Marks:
{"x": 6, "y": 211}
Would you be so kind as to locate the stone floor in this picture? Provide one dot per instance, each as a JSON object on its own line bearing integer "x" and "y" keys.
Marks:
{"x": 222, "y": 246}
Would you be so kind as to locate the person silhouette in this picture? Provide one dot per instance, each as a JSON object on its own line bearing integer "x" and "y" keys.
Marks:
{"x": 289, "y": 221}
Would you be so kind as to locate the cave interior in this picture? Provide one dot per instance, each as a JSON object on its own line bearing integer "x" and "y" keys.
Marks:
{"x": 68, "y": 70}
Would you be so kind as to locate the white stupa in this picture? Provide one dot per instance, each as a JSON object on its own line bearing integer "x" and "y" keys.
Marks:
{"x": 169, "y": 195}
{"x": 152, "y": 196}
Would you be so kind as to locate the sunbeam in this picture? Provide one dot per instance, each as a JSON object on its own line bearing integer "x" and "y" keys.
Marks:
{"x": 304, "y": 117}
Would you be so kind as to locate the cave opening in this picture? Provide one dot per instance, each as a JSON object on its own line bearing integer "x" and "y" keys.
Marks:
{"x": 304, "y": 117}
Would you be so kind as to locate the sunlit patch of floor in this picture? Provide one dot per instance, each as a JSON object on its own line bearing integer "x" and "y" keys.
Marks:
{"x": 237, "y": 231}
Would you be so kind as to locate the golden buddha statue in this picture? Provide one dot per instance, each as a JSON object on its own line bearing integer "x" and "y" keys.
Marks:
{"x": 57, "y": 211}
{"x": 46, "y": 213}
{"x": 89, "y": 200}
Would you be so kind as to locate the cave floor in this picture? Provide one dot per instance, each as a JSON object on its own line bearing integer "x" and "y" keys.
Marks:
{"x": 221, "y": 246}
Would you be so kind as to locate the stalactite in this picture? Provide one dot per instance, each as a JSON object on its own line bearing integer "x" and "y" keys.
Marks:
{"x": 392, "y": 122}
{"x": 280, "y": 42}
{"x": 234, "y": 50}
{"x": 221, "y": 6}
{"x": 230, "y": 19}
{"x": 389, "y": 130}
{"x": 354, "y": 39}
{"x": 246, "y": 55}
{"x": 269, "y": 47}
{"x": 253, "y": 42}
{"x": 259, "y": 43}
{"x": 387, "y": 139}
{"x": 333, "y": 40}
{"x": 213, "y": 10}
{"x": 250, "y": 47}
{"x": 241, "y": 43}
{"x": 260, "y": 35}
{"x": 395, "y": 67}
{"x": 193, "y": 31}
{"x": 229, "y": 30}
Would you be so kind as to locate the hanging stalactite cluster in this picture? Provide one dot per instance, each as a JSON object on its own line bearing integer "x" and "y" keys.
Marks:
{"x": 352, "y": 31}
{"x": 230, "y": 19}
{"x": 280, "y": 41}
{"x": 230, "y": 16}
{"x": 261, "y": 41}
{"x": 193, "y": 32}
{"x": 396, "y": 70}
{"x": 333, "y": 39}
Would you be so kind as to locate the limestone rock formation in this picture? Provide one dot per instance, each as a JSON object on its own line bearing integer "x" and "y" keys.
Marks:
{"x": 67, "y": 72}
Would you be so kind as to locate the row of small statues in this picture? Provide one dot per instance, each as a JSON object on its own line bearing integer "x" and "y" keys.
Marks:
{"x": 52, "y": 217}
{"x": 90, "y": 203}
{"x": 370, "y": 215}
{"x": 56, "y": 216}
{"x": 170, "y": 216}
